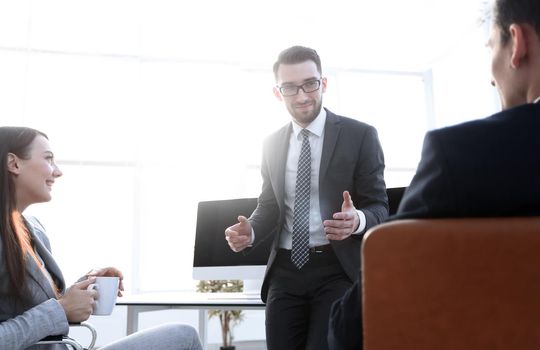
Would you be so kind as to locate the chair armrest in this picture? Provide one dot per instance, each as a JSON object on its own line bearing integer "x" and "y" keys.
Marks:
{"x": 53, "y": 338}
{"x": 61, "y": 339}
{"x": 92, "y": 332}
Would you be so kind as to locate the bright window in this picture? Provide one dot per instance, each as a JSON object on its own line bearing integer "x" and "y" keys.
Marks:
{"x": 153, "y": 106}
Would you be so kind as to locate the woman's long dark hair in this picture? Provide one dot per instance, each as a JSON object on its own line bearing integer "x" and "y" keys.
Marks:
{"x": 13, "y": 233}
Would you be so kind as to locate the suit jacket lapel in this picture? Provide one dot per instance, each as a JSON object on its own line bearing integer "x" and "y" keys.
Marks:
{"x": 35, "y": 271}
{"x": 332, "y": 129}
{"x": 278, "y": 161}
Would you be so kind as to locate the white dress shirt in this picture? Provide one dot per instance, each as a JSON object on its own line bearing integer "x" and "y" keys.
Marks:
{"x": 317, "y": 236}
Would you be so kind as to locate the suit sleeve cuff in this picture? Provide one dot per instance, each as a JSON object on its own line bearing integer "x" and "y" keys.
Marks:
{"x": 252, "y": 237}
{"x": 362, "y": 224}
{"x": 59, "y": 318}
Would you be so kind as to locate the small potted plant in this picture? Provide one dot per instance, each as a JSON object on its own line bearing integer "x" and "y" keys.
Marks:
{"x": 227, "y": 318}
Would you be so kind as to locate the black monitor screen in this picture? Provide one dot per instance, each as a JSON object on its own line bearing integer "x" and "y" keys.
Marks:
{"x": 394, "y": 198}
{"x": 211, "y": 248}
{"x": 213, "y": 217}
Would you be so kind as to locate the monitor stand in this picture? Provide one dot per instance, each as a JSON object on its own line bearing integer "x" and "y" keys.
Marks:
{"x": 252, "y": 288}
{"x": 252, "y": 291}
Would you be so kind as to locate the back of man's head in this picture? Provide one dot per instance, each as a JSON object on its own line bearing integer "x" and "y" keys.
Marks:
{"x": 298, "y": 54}
{"x": 507, "y": 12}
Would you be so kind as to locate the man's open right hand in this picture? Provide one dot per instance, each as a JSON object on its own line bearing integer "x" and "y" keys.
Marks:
{"x": 239, "y": 235}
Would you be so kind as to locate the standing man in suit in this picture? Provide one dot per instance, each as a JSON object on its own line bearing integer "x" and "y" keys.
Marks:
{"x": 481, "y": 168}
{"x": 322, "y": 188}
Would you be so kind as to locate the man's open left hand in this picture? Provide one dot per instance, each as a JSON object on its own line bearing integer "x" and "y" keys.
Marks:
{"x": 344, "y": 223}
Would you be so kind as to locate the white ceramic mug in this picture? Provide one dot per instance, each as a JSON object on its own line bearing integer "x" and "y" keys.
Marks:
{"x": 107, "y": 288}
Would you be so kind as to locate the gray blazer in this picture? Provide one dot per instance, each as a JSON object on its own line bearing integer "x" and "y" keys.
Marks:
{"x": 352, "y": 159}
{"x": 21, "y": 326}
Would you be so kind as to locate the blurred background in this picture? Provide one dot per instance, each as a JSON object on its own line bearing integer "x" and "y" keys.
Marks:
{"x": 154, "y": 105}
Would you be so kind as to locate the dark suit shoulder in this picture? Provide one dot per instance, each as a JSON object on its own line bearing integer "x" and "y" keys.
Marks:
{"x": 346, "y": 121}
{"x": 517, "y": 126}
{"x": 527, "y": 115}
{"x": 465, "y": 168}
{"x": 278, "y": 135}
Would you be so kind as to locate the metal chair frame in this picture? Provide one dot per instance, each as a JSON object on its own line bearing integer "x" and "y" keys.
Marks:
{"x": 63, "y": 339}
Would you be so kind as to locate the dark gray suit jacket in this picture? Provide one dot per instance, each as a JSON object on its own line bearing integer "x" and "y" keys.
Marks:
{"x": 352, "y": 159}
{"x": 21, "y": 326}
{"x": 482, "y": 168}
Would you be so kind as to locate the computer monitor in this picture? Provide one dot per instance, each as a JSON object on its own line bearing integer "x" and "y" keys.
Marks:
{"x": 394, "y": 198}
{"x": 213, "y": 259}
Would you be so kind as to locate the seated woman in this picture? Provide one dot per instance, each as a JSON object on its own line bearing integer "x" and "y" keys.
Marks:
{"x": 34, "y": 302}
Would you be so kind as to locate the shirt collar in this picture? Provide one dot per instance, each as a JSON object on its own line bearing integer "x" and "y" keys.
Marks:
{"x": 537, "y": 99}
{"x": 316, "y": 127}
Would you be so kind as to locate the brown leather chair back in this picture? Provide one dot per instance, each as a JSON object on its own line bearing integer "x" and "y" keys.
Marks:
{"x": 452, "y": 284}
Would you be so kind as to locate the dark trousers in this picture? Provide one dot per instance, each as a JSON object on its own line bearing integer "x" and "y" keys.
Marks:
{"x": 299, "y": 301}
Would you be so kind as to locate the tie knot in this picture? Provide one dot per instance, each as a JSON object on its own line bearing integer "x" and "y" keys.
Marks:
{"x": 305, "y": 133}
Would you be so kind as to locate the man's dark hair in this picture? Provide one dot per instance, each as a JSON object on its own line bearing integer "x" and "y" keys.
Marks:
{"x": 508, "y": 12}
{"x": 298, "y": 54}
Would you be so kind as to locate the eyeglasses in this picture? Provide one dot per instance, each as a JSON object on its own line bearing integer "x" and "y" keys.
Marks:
{"x": 307, "y": 87}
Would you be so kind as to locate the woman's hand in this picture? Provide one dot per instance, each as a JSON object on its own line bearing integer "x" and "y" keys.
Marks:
{"x": 78, "y": 302}
{"x": 110, "y": 272}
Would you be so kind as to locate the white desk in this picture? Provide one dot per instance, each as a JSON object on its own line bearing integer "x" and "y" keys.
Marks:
{"x": 173, "y": 300}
